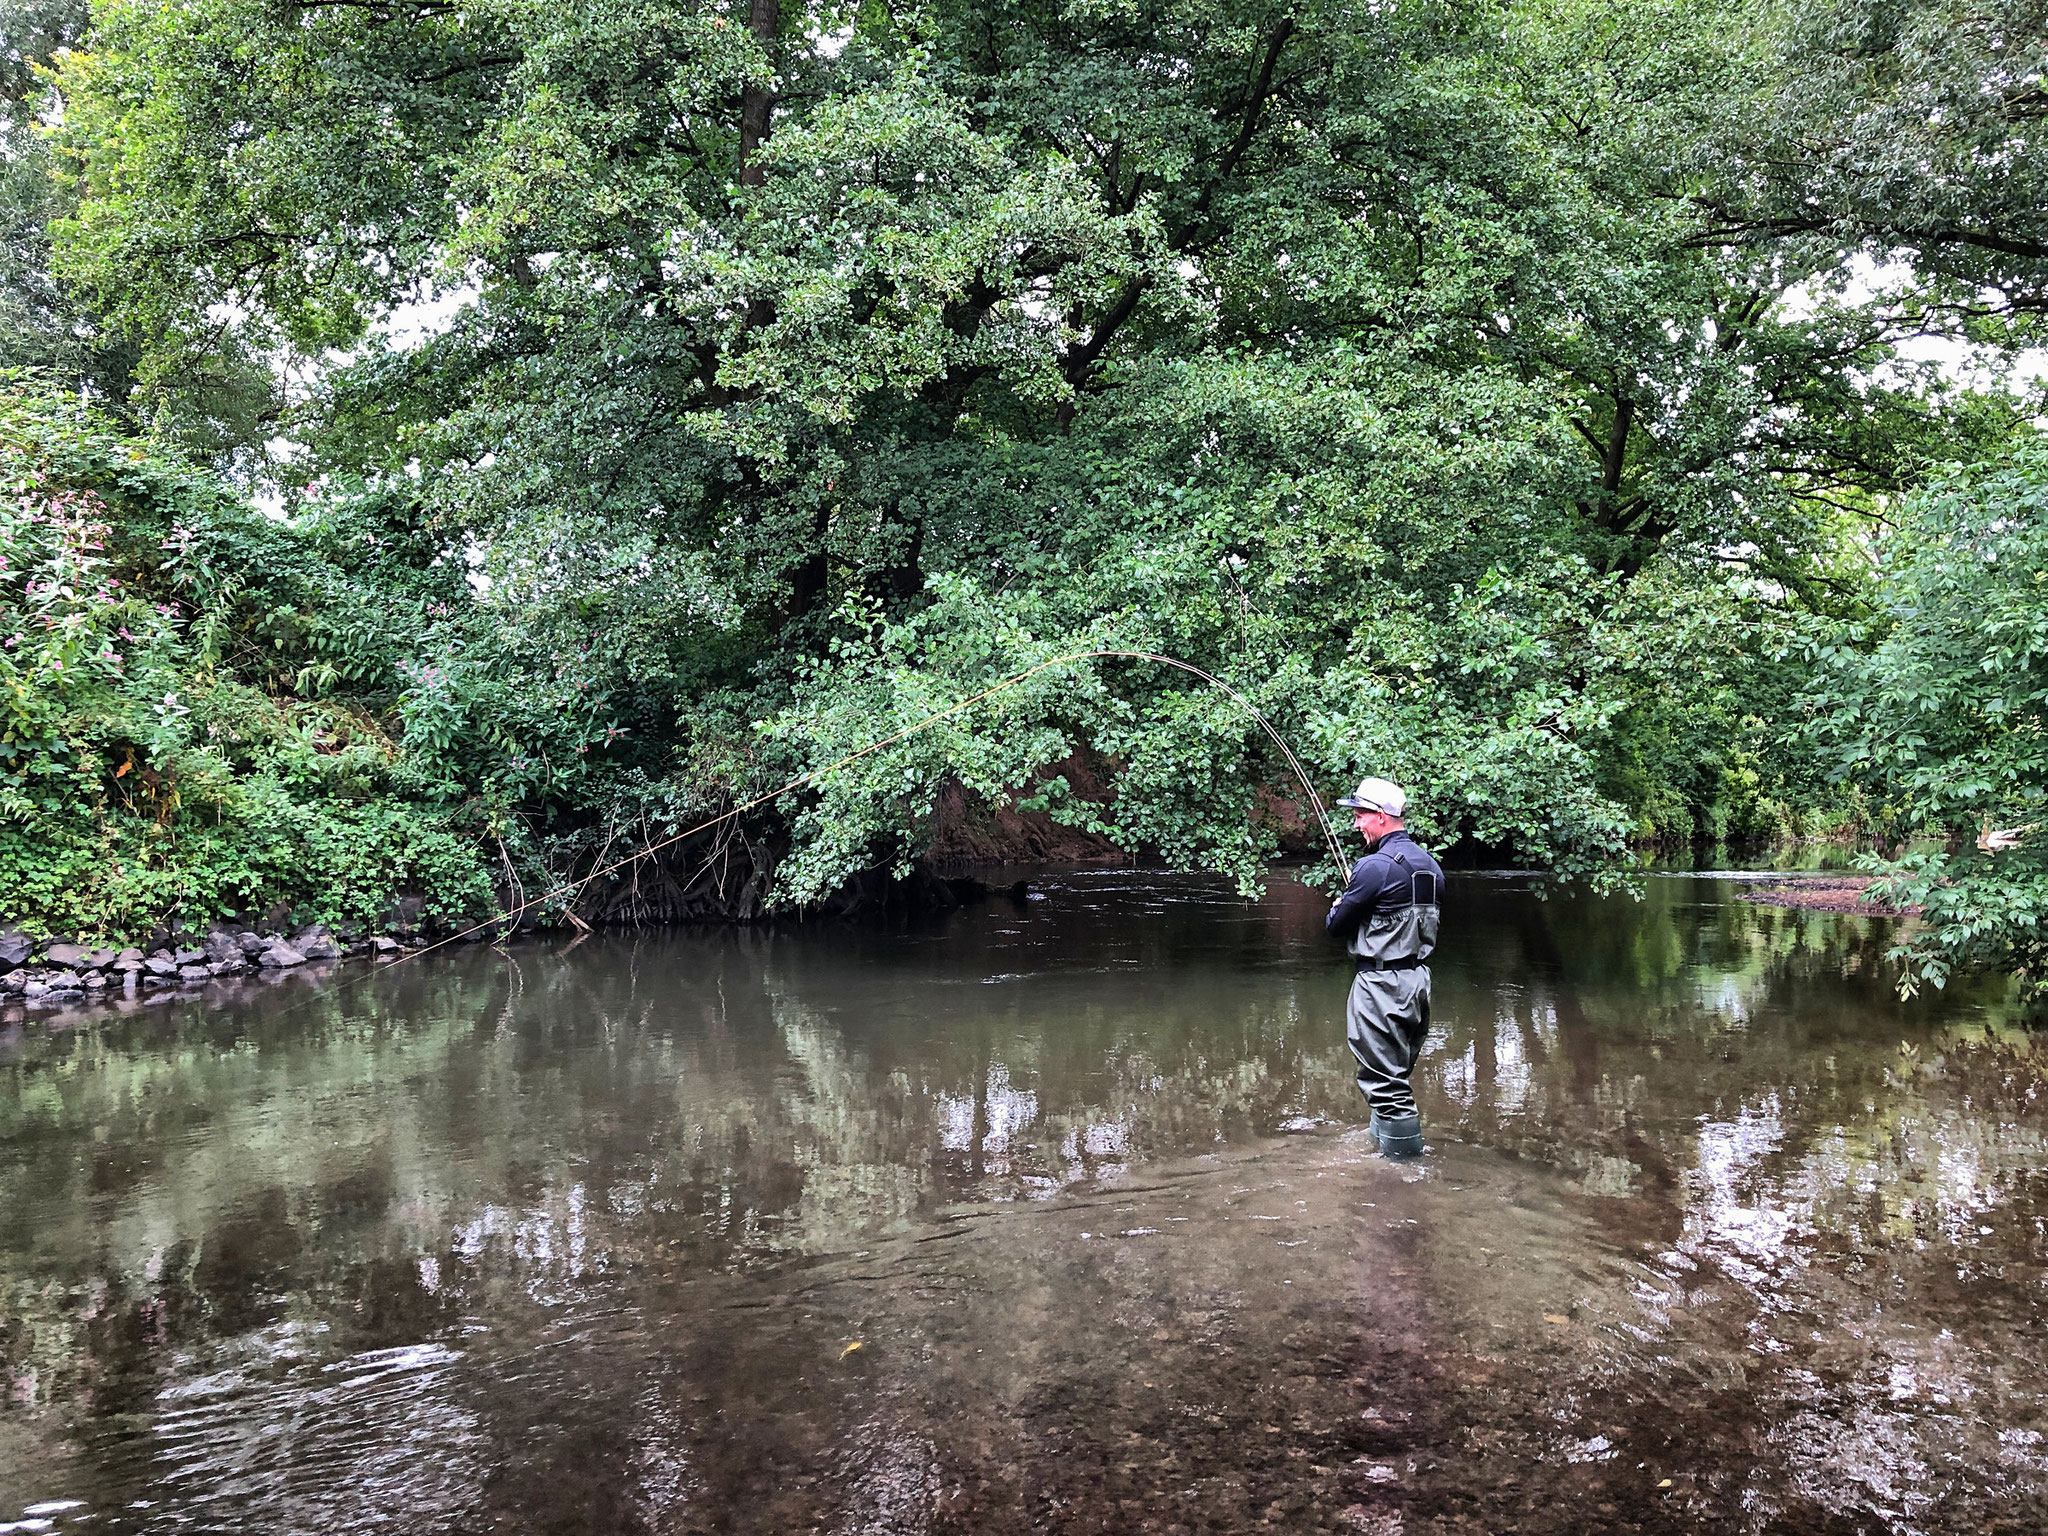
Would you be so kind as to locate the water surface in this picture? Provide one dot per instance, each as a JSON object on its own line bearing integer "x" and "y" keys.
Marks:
{"x": 1054, "y": 1215}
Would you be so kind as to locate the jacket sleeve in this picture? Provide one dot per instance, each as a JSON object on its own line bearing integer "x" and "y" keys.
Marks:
{"x": 1368, "y": 878}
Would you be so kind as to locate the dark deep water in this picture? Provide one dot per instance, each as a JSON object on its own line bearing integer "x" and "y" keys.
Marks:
{"x": 1714, "y": 1235}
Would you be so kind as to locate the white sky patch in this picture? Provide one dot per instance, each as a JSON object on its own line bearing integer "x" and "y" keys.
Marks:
{"x": 1958, "y": 361}
{"x": 422, "y": 319}
{"x": 829, "y": 45}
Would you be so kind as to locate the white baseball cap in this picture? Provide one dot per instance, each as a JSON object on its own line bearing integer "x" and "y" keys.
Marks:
{"x": 1377, "y": 795}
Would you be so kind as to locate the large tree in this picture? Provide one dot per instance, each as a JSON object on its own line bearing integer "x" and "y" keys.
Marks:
{"x": 803, "y": 367}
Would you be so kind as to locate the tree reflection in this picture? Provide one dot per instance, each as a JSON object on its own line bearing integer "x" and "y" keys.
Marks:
{"x": 209, "y": 1217}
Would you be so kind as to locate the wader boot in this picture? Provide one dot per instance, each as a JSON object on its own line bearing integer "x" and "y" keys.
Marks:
{"x": 1397, "y": 1138}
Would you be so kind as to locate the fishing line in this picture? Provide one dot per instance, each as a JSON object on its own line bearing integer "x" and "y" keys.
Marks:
{"x": 511, "y": 915}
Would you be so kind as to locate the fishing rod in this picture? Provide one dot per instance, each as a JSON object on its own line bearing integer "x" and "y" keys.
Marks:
{"x": 512, "y": 915}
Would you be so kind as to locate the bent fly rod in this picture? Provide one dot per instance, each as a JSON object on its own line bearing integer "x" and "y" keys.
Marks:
{"x": 512, "y": 915}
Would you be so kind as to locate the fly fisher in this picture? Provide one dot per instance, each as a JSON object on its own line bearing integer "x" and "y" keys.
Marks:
{"x": 1386, "y": 919}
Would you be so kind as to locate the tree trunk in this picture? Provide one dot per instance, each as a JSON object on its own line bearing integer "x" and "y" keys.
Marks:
{"x": 1617, "y": 448}
{"x": 764, "y": 20}
{"x": 807, "y": 584}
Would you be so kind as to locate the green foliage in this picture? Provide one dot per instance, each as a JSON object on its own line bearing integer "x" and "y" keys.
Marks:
{"x": 1942, "y": 715}
{"x": 1900, "y": 128}
{"x": 153, "y": 760}
{"x": 1465, "y": 385}
{"x": 35, "y": 320}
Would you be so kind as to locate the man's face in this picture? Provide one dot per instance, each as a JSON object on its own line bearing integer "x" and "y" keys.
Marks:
{"x": 1372, "y": 825}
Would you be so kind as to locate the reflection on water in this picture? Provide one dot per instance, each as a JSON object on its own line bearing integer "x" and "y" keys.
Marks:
{"x": 1055, "y": 1215}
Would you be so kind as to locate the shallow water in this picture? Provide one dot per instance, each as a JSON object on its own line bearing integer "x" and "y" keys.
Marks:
{"x": 1052, "y": 1216}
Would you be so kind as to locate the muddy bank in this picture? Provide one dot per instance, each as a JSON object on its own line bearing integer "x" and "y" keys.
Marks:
{"x": 968, "y": 829}
{"x": 1824, "y": 893}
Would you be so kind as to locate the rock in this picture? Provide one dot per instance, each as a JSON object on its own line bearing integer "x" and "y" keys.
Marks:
{"x": 33, "y": 988}
{"x": 252, "y": 944}
{"x": 316, "y": 943}
{"x": 66, "y": 955}
{"x": 161, "y": 964}
{"x": 194, "y": 972}
{"x": 231, "y": 967}
{"x": 128, "y": 954}
{"x": 15, "y": 948}
{"x": 385, "y": 946}
{"x": 95, "y": 980}
{"x": 13, "y": 981}
{"x": 280, "y": 955}
{"x": 67, "y": 981}
{"x": 100, "y": 959}
{"x": 220, "y": 945}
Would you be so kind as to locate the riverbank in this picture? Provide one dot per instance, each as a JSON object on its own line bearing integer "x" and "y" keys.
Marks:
{"x": 216, "y": 967}
{"x": 1824, "y": 893}
{"x": 231, "y": 963}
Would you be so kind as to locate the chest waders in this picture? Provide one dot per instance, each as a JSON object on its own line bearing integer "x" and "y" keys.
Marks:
{"x": 1386, "y": 1015}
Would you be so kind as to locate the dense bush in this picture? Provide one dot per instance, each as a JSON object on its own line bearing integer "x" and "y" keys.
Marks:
{"x": 155, "y": 761}
{"x": 1938, "y": 706}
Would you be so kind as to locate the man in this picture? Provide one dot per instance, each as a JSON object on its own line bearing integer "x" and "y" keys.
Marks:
{"x": 1387, "y": 918}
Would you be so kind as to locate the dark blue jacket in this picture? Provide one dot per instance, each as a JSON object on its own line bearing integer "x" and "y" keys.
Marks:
{"x": 1389, "y": 910}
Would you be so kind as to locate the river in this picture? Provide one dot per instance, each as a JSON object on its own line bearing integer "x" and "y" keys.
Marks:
{"x": 1054, "y": 1214}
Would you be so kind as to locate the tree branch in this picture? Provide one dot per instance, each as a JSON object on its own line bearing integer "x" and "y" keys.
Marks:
{"x": 489, "y": 61}
{"x": 1617, "y": 447}
{"x": 1254, "y": 106}
{"x": 1081, "y": 361}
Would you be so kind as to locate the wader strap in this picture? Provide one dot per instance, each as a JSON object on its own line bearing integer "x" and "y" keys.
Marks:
{"x": 1415, "y": 897}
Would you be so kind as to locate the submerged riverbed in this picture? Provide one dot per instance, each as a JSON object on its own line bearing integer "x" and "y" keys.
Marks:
{"x": 1054, "y": 1215}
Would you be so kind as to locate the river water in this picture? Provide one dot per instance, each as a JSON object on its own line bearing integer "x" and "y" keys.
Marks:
{"x": 1054, "y": 1215}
